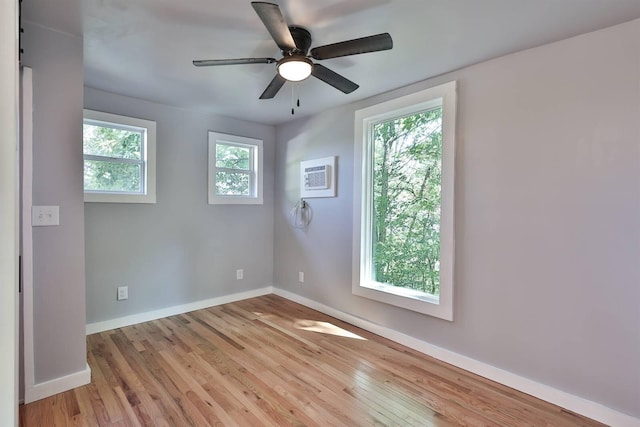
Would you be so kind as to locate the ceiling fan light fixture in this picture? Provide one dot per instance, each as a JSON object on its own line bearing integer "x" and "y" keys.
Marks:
{"x": 295, "y": 68}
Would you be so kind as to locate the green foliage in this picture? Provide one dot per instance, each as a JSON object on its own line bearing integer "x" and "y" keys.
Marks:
{"x": 407, "y": 178}
{"x": 232, "y": 157}
{"x": 109, "y": 176}
{"x": 108, "y": 171}
{"x": 232, "y": 182}
{"x": 112, "y": 142}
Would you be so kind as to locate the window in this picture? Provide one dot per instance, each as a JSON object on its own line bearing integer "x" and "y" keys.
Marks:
{"x": 119, "y": 158}
{"x": 235, "y": 169}
{"x": 403, "y": 213}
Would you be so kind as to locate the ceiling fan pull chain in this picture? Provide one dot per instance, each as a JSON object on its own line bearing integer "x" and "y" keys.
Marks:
{"x": 295, "y": 97}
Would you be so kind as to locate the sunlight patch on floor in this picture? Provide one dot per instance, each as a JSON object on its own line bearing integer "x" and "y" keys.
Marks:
{"x": 325, "y": 328}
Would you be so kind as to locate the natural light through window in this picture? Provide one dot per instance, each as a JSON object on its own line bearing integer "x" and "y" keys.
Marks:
{"x": 235, "y": 169}
{"x": 325, "y": 328}
{"x": 119, "y": 158}
{"x": 403, "y": 217}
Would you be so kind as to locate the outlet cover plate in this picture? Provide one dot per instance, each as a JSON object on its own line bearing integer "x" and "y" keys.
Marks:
{"x": 123, "y": 293}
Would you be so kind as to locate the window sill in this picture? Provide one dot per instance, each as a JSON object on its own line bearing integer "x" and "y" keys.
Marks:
{"x": 403, "y": 292}
{"x": 409, "y": 299}
{"x": 119, "y": 198}
{"x": 234, "y": 200}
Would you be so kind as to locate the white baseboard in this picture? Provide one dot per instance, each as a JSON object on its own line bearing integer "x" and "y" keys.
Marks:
{"x": 133, "y": 319}
{"x": 565, "y": 400}
{"x": 58, "y": 385}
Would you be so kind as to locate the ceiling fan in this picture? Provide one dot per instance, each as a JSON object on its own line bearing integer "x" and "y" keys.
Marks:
{"x": 294, "y": 42}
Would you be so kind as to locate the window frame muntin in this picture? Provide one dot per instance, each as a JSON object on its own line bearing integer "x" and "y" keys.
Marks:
{"x": 365, "y": 119}
{"x": 147, "y": 157}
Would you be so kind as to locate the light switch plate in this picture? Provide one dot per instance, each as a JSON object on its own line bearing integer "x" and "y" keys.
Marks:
{"x": 45, "y": 216}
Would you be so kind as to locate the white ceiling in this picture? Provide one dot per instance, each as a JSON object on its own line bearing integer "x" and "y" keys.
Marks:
{"x": 144, "y": 48}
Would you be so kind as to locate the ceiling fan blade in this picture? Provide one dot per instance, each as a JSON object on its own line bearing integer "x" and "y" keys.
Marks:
{"x": 273, "y": 87}
{"x": 354, "y": 47}
{"x": 211, "y": 62}
{"x": 272, "y": 18}
{"x": 334, "y": 79}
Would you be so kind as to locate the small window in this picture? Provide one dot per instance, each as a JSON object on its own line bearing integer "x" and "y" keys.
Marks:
{"x": 403, "y": 217}
{"x": 235, "y": 169}
{"x": 119, "y": 158}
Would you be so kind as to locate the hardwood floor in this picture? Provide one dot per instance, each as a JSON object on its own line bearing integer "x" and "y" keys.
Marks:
{"x": 268, "y": 361}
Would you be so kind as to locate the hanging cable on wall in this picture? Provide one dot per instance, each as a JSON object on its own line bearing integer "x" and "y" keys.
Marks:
{"x": 301, "y": 215}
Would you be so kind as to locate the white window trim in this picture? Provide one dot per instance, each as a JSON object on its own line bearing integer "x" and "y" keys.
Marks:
{"x": 149, "y": 160}
{"x": 442, "y": 306}
{"x": 256, "y": 178}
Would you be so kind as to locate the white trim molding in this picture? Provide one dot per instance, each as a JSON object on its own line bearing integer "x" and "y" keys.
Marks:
{"x": 549, "y": 394}
{"x": 255, "y": 172}
{"x": 147, "y": 128}
{"x": 120, "y": 322}
{"x": 26, "y": 171}
{"x": 57, "y": 385}
{"x": 364, "y": 282}
{"x": 9, "y": 113}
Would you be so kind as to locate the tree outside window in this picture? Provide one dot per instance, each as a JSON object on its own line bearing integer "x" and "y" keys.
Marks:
{"x": 403, "y": 241}
{"x": 235, "y": 170}
{"x": 119, "y": 158}
{"x": 407, "y": 173}
{"x": 113, "y": 159}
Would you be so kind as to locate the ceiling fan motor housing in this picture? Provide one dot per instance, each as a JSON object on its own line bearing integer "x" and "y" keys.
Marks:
{"x": 302, "y": 37}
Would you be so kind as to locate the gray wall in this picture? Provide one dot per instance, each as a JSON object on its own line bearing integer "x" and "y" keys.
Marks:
{"x": 58, "y": 252}
{"x": 547, "y": 217}
{"x": 180, "y": 249}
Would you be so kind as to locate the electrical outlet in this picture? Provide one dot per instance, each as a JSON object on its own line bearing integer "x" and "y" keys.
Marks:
{"x": 301, "y": 276}
{"x": 239, "y": 274}
{"x": 123, "y": 293}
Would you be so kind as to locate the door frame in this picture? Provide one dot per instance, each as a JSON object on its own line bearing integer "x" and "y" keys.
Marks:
{"x": 9, "y": 205}
{"x": 26, "y": 241}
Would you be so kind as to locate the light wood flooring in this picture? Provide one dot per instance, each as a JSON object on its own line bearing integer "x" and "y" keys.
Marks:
{"x": 269, "y": 361}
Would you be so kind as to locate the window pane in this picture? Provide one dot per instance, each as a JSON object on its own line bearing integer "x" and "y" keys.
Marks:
{"x": 232, "y": 184}
{"x": 232, "y": 157}
{"x": 111, "y": 142}
{"x": 111, "y": 176}
{"x": 406, "y": 201}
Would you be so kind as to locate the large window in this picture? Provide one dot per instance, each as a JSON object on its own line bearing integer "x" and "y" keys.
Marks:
{"x": 403, "y": 218}
{"x": 119, "y": 158}
{"x": 235, "y": 169}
